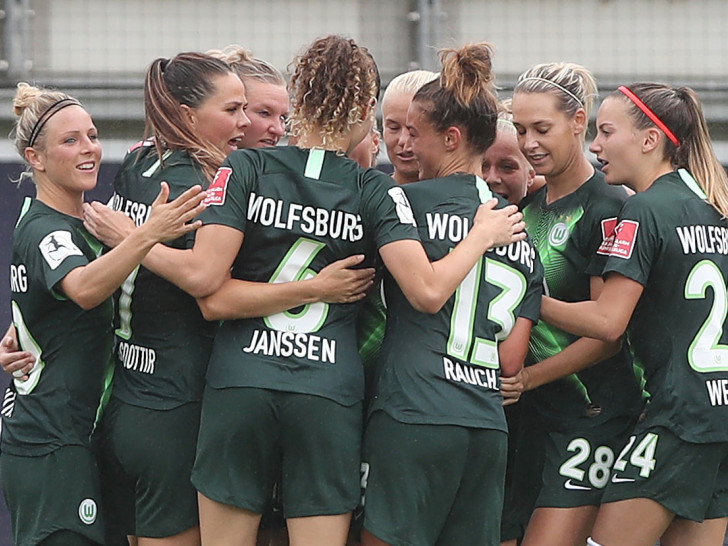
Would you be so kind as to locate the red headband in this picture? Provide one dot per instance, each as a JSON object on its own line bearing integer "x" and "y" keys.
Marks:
{"x": 650, "y": 114}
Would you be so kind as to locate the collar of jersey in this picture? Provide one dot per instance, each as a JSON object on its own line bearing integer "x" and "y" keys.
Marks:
{"x": 690, "y": 182}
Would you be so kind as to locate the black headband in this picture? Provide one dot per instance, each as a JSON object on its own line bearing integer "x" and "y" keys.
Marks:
{"x": 53, "y": 109}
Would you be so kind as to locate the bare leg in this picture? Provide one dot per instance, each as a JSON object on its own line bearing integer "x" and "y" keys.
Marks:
{"x": 560, "y": 526}
{"x": 683, "y": 532}
{"x": 225, "y": 525}
{"x": 512, "y": 542}
{"x": 368, "y": 539}
{"x": 632, "y": 522}
{"x": 319, "y": 530}
{"x": 189, "y": 537}
{"x": 272, "y": 537}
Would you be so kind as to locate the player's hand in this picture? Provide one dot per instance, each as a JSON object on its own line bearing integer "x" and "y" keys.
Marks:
{"x": 170, "y": 220}
{"x": 498, "y": 227}
{"x": 13, "y": 361}
{"x": 338, "y": 283}
{"x": 108, "y": 226}
{"x": 513, "y": 387}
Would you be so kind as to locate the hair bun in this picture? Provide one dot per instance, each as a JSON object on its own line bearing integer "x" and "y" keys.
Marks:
{"x": 467, "y": 71}
{"x": 25, "y": 96}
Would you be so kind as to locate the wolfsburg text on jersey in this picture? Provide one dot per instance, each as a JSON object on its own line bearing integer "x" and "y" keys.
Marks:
{"x": 703, "y": 239}
{"x": 286, "y": 344}
{"x": 454, "y": 228}
{"x": 717, "y": 391}
{"x": 316, "y": 221}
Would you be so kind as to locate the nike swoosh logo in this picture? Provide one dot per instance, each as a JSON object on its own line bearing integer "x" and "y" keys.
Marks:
{"x": 576, "y": 487}
{"x": 618, "y": 479}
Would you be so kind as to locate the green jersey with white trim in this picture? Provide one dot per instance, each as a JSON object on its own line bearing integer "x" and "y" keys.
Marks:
{"x": 675, "y": 244}
{"x": 163, "y": 343}
{"x": 300, "y": 210}
{"x": 443, "y": 368}
{"x": 568, "y": 235}
{"x": 57, "y": 406}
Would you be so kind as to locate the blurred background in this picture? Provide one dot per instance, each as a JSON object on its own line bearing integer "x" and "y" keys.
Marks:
{"x": 98, "y": 50}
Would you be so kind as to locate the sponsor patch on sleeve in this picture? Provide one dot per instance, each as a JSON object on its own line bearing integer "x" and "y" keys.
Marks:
{"x": 218, "y": 189}
{"x": 608, "y": 225}
{"x": 57, "y": 246}
{"x": 625, "y": 235}
{"x": 402, "y": 206}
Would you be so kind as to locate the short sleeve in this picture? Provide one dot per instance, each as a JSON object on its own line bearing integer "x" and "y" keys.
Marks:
{"x": 385, "y": 210}
{"x": 230, "y": 190}
{"x": 55, "y": 250}
{"x": 633, "y": 246}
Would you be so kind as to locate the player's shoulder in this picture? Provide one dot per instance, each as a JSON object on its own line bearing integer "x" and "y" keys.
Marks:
{"x": 43, "y": 226}
{"x": 373, "y": 180}
{"x": 258, "y": 160}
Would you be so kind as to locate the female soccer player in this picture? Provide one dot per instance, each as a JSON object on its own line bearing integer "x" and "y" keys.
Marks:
{"x": 194, "y": 107}
{"x": 285, "y": 391}
{"x": 435, "y": 442}
{"x": 62, "y": 314}
{"x": 666, "y": 285}
{"x": 578, "y": 413}
{"x": 395, "y": 102}
{"x": 265, "y": 89}
{"x": 505, "y": 169}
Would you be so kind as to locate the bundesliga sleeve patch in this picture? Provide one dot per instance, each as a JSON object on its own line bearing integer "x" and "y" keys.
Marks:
{"x": 218, "y": 189}
{"x": 608, "y": 225}
{"x": 57, "y": 246}
{"x": 402, "y": 206}
{"x": 623, "y": 240}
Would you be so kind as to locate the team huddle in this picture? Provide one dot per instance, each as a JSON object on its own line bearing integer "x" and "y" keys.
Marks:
{"x": 253, "y": 343}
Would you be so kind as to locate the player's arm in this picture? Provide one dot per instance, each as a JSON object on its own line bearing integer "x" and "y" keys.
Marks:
{"x": 428, "y": 285}
{"x": 512, "y": 350}
{"x": 336, "y": 283}
{"x": 202, "y": 270}
{"x": 91, "y": 284}
{"x": 579, "y": 355}
{"x": 606, "y": 318}
{"x": 198, "y": 271}
{"x": 13, "y": 361}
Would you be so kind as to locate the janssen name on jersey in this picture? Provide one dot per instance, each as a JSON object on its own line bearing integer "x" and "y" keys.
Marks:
{"x": 317, "y": 221}
{"x": 287, "y": 344}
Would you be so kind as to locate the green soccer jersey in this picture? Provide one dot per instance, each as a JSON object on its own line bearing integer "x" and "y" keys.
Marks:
{"x": 58, "y": 404}
{"x": 670, "y": 240}
{"x": 568, "y": 235}
{"x": 300, "y": 210}
{"x": 162, "y": 342}
{"x": 443, "y": 368}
